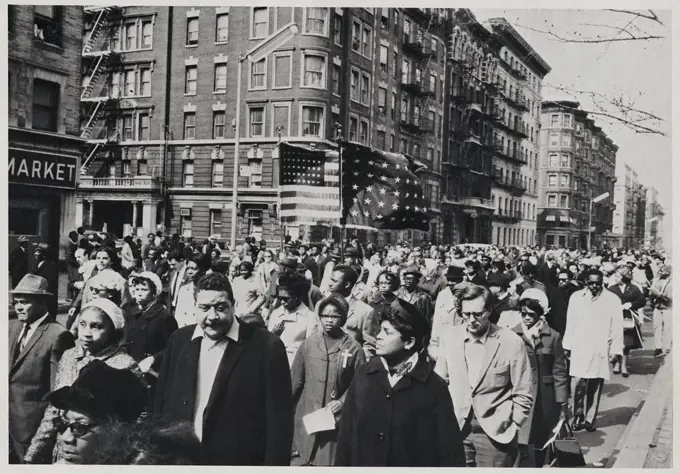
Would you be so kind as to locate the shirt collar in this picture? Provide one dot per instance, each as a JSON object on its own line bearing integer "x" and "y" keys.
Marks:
{"x": 231, "y": 334}
{"x": 36, "y": 323}
{"x": 481, "y": 338}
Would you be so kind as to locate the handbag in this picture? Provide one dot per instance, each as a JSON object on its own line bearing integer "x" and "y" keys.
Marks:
{"x": 564, "y": 447}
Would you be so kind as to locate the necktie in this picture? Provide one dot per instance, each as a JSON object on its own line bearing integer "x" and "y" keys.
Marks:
{"x": 22, "y": 341}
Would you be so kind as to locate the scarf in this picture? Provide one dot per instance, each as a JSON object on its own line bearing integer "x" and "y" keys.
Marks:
{"x": 533, "y": 333}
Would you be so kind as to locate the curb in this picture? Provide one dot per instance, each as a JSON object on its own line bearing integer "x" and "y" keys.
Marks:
{"x": 631, "y": 450}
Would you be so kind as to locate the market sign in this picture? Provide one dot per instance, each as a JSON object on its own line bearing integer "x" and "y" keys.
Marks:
{"x": 42, "y": 169}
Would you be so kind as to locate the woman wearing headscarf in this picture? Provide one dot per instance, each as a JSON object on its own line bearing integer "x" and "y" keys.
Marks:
{"x": 99, "y": 399}
{"x": 149, "y": 323}
{"x": 549, "y": 372}
{"x": 101, "y": 326}
{"x": 322, "y": 371}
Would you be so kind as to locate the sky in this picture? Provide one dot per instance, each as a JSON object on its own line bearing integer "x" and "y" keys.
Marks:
{"x": 635, "y": 70}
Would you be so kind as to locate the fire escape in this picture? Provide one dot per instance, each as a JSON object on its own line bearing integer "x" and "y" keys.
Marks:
{"x": 98, "y": 96}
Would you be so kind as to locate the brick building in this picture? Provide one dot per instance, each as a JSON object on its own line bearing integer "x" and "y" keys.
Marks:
{"x": 515, "y": 163}
{"x": 630, "y": 216}
{"x": 160, "y": 108}
{"x": 577, "y": 164}
{"x": 44, "y": 52}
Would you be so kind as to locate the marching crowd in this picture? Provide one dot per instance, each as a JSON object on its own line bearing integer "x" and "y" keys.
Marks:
{"x": 176, "y": 352}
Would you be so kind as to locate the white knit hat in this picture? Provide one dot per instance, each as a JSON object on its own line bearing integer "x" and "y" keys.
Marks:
{"x": 536, "y": 295}
{"x": 111, "y": 309}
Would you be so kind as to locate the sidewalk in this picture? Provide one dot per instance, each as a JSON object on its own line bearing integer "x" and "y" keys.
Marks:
{"x": 648, "y": 441}
{"x": 661, "y": 448}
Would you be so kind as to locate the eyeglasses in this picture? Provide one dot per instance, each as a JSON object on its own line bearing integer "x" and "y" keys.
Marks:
{"x": 477, "y": 316}
{"x": 594, "y": 283}
{"x": 79, "y": 430}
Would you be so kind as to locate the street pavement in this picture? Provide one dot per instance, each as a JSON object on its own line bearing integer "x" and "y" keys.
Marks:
{"x": 661, "y": 450}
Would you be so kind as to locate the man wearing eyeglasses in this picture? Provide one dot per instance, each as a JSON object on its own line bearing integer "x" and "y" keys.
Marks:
{"x": 593, "y": 337}
{"x": 489, "y": 376}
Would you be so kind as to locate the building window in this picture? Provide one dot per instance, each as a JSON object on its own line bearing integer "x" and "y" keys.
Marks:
{"x": 403, "y": 146}
{"x": 363, "y": 132}
{"x": 192, "y": 31}
{"x": 217, "y": 174}
{"x": 221, "y": 77}
{"x": 47, "y": 24}
{"x": 283, "y": 70}
{"x": 567, "y": 121}
{"x": 130, "y": 36}
{"x": 215, "y": 221}
{"x": 258, "y": 74}
{"x": 405, "y": 107}
{"x": 256, "y": 122}
{"x": 128, "y": 127}
{"x": 396, "y": 21}
{"x": 315, "y": 23}
{"x": 384, "y": 53}
{"x": 433, "y": 84}
{"x": 564, "y": 160}
{"x": 564, "y": 201}
{"x": 552, "y": 160}
{"x": 145, "y": 81}
{"x": 552, "y": 200}
{"x": 260, "y": 25}
{"x": 384, "y": 18}
{"x": 395, "y": 62}
{"x": 219, "y": 124}
{"x": 185, "y": 224}
{"x": 337, "y": 29}
{"x": 564, "y": 180}
{"x": 365, "y": 88}
{"x": 356, "y": 36}
{"x": 189, "y": 125}
{"x": 144, "y": 129}
{"x": 45, "y": 105}
{"x": 555, "y": 120}
{"x": 353, "y": 128}
{"x": 130, "y": 86}
{"x": 393, "y": 105}
{"x": 552, "y": 180}
{"x": 142, "y": 168}
{"x": 566, "y": 139}
{"x": 382, "y": 100}
{"x": 405, "y": 71}
{"x": 314, "y": 74}
{"x": 254, "y": 222}
{"x": 392, "y": 142}
{"x": 554, "y": 138}
{"x": 367, "y": 42}
{"x": 191, "y": 76}
{"x": 382, "y": 139}
{"x": 312, "y": 121}
{"x": 222, "y": 28}
{"x": 255, "y": 180}
{"x": 354, "y": 85}
{"x": 335, "y": 79}
{"x": 126, "y": 169}
{"x": 188, "y": 174}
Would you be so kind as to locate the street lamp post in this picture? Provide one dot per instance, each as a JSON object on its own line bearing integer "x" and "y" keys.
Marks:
{"x": 255, "y": 54}
{"x": 601, "y": 197}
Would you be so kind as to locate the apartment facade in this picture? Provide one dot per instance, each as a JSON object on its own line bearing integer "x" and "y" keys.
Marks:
{"x": 44, "y": 52}
{"x": 631, "y": 206}
{"x": 515, "y": 163}
{"x": 654, "y": 220}
{"x": 161, "y": 108}
{"x": 577, "y": 163}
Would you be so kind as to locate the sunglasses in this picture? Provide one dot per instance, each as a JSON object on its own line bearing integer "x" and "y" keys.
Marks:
{"x": 477, "y": 316}
{"x": 98, "y": 289}
{"x": 79, "y": 430}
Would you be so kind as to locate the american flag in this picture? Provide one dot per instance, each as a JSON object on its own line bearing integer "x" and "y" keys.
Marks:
{"x": 309, "y": 189}
{"x": 381, "y": 191}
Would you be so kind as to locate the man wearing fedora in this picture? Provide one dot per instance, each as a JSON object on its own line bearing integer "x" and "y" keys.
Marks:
{"x": 410, "y": 292}
{"x": 18, "y": 260}
{"x": 446, "y": 308}
{"x": 46, "y": 267}
{"x": 36, "y": 344}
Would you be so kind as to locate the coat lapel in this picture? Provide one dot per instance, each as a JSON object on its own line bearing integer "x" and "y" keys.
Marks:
{"x": 32, "y": 341}
{"x": 492, "y": 346}
{"x": 227, "y": 364}
{"x": 189, "y": 369}
{"x": 378, "y": 373}
{"x": 13, "y": 341}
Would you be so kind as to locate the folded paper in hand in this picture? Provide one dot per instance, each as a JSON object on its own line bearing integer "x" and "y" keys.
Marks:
{"x": 320, "y": 420}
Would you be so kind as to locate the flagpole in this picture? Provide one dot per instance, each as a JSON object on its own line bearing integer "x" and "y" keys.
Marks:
{"x": 343, "y": 221}
{"x": 279, "y": 129}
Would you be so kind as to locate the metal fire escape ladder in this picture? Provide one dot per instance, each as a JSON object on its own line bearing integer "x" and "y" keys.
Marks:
{"x": 96, "y": 28}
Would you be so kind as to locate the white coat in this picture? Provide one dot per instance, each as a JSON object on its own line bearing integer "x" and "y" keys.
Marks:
{"x": 594, "y": 333}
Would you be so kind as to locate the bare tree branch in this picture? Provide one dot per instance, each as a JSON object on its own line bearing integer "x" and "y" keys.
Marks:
{"x": 652, "y": 16}
{"x": 592, "y": 40}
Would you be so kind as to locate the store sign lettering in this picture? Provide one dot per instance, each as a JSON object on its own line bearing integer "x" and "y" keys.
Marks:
{"x": 38, "y": 169}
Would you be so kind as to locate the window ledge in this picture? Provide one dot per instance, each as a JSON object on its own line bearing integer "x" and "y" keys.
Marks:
{"x": 318, "y": 88}
{"x": 321, "y": 35}
{"x": 189, "y": 94}
{"x": 221, "y": 42}
{"x": 191, "y": 45}
{"x": 46, "y": 45}
{"x": 218, "y": 92}
{"x": 258, "y": 89}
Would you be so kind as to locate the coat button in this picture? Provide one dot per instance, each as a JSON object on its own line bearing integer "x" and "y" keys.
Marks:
{"x": 388, "y": 397}
{"x": 185, "y": 401}
{"x": 381, "y": 436}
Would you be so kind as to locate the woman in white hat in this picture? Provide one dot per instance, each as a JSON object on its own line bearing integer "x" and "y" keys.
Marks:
{"x": 101, "y": 326}
{"x": 549, "y": 371}
{"x": 149, "y": 322}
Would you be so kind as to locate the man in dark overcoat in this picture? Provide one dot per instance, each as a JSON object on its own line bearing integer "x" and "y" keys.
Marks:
{"x": 231, "y": 379}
